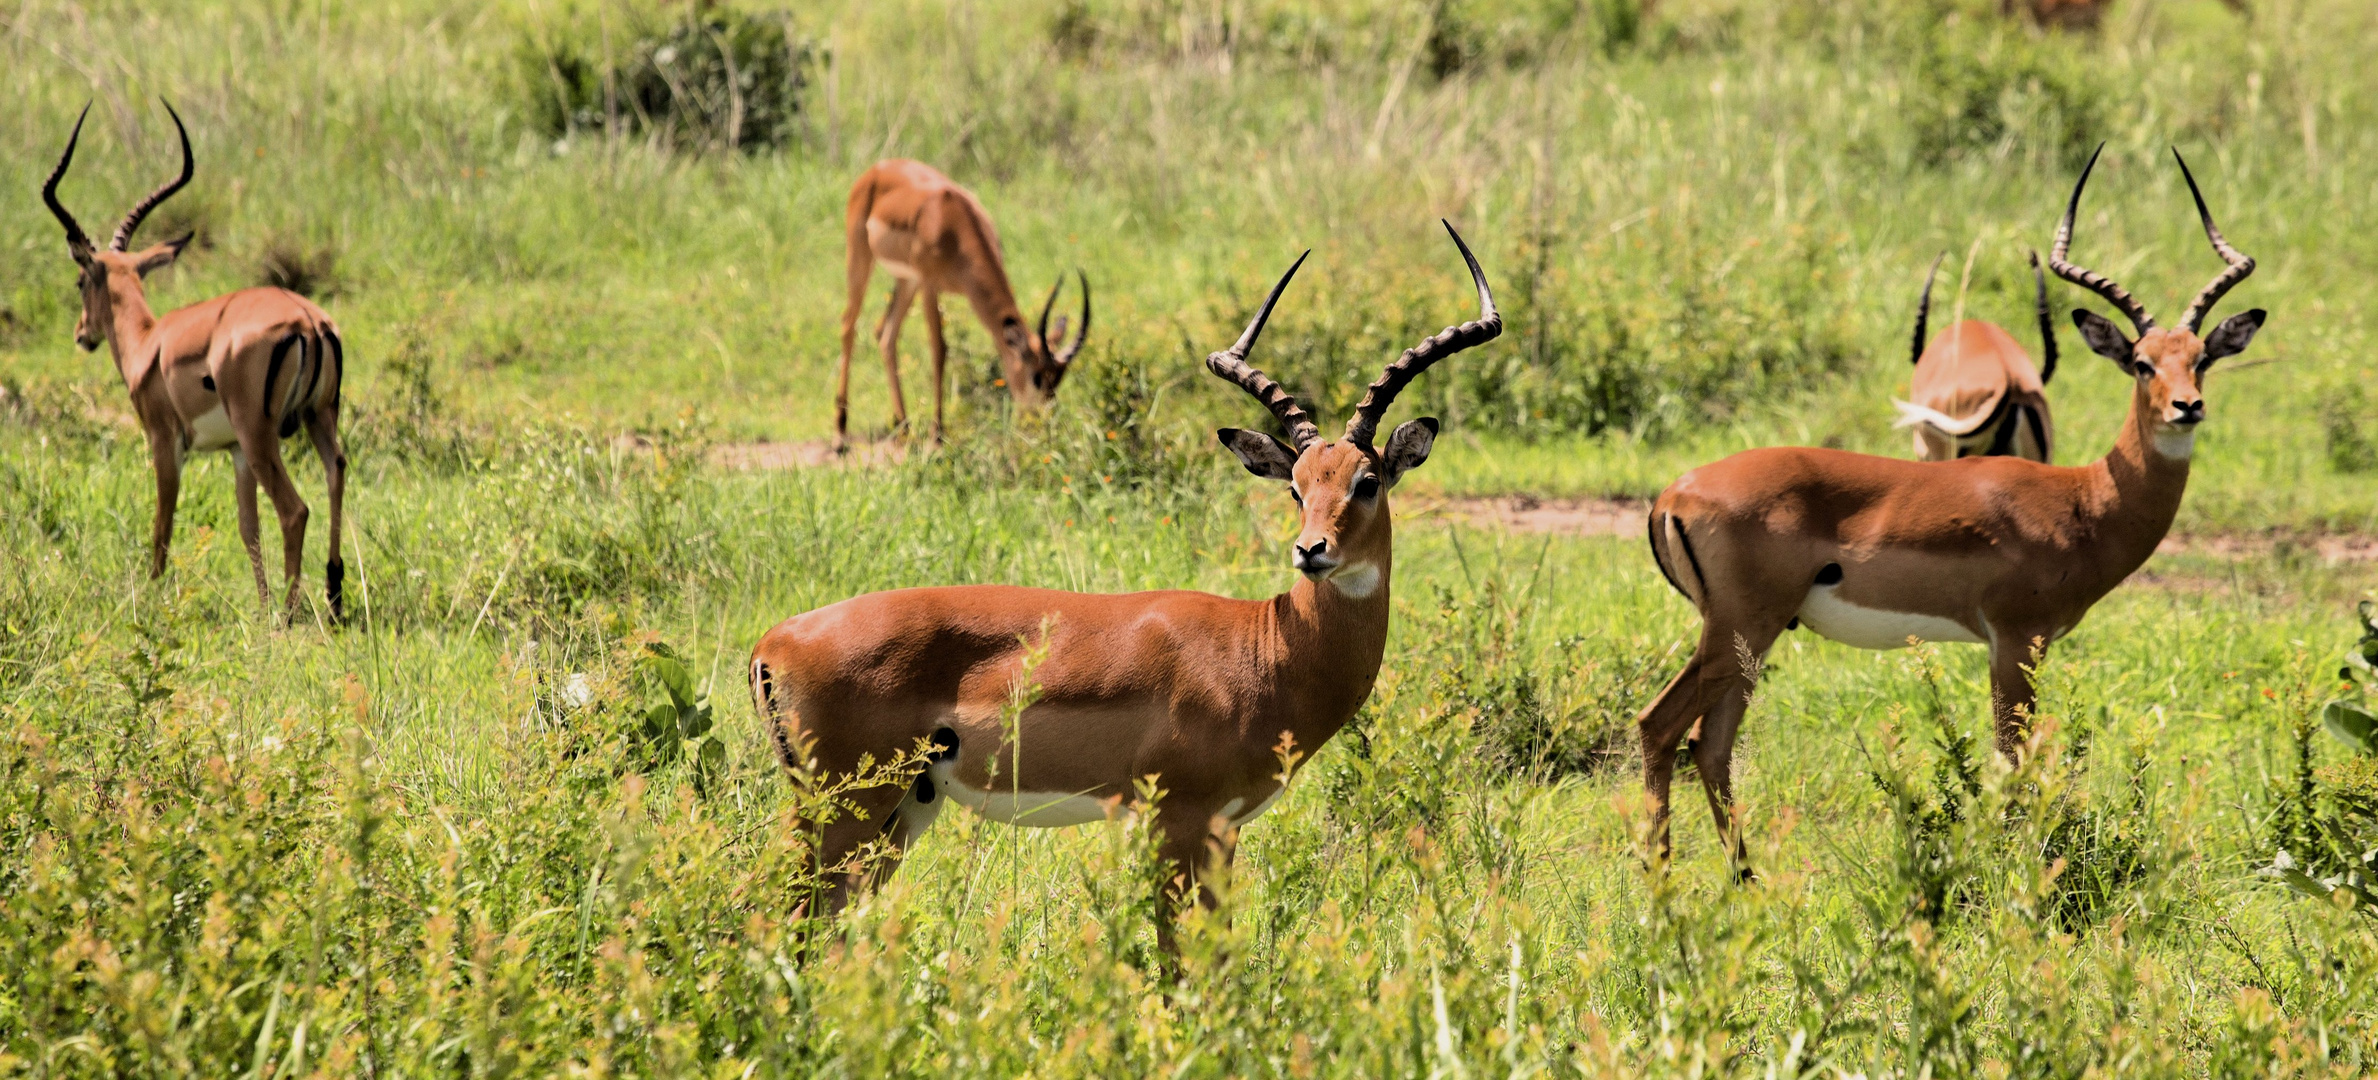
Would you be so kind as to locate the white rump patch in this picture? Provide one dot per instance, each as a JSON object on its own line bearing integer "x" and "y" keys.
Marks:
{"x": 1874, "y": 628}
{"x": 1358, "y": 582}
{"x": 211, "y": 430}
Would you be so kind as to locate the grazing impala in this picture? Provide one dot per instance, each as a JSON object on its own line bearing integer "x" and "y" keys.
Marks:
{"x": 934, "y": 237}
{"x": 240, "y": 372}
{"x": 1872, "y": 551}
{"x": 1975, "y": 390}
{"x": 1200, "y": 692}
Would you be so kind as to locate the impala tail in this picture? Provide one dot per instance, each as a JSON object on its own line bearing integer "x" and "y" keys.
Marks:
{"x": 1942, "y": 424}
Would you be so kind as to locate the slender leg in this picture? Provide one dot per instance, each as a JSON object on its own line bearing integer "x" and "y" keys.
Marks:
{"x": 290, "y": 508}
{"x": 1662, "y": 726}
{"x": 2012, "y": 701}
{"x": 1728, "y": 697}
{"x": 244, "y": 482}
{"x": 323, "y": 425}
{"x": 165, "y": 456}
{"x": 840, "y": 843}
{"x": 932, "y": 302}
{"x": 860, "y": 264}
{"x": 1188, "y": 845}
{"x": 887, "y": 334}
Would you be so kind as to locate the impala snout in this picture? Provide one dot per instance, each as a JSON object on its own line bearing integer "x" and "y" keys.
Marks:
{"x": 2185, "y": 413}
{"x": 1317, "y": 559}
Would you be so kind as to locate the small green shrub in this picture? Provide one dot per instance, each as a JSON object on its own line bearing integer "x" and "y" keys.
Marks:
{"x": 714, "y": 77}
{"x": 2344, "y": 409}
{"x": 2326, "y": 823}
{"x": 1989, "y": 88}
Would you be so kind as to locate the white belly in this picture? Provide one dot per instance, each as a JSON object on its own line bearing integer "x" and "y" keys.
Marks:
{"x": 212, "y": 430}
{"x": 1040, "y": 809}
{"x": 1874, "y": 628}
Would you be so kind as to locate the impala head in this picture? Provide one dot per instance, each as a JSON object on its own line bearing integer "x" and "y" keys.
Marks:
{"x": 1342, "y": 486}
{"x": 114, "y": 269}
{"x": 1033, "y": 360}
{"x": 2168, "y": 364}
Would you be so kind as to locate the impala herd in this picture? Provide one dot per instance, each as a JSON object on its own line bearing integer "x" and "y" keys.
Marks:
{"x": 1212, "y": 701}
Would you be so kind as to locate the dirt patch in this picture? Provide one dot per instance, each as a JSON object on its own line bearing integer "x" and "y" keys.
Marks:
{"x": 806, "y": 455}
{"x": 2328, "y": 548}
{"x": 1528, "y": 514}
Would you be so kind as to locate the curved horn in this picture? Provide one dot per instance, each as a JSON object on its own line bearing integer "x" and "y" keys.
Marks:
{"x": 1915, "y": 352}
{"x": 189, "y": 165}
{"x": 1231, "y": 364}
{"x": 1081, "y": 333}
{"x": 2047, "y": 326}
{"x": 2240, "y": 264}
{"x": 49, "y": 188}
{"x": 1040, "y": 327}
{"x": 2090, "y": 279}
{"x": 1365, "y": 421}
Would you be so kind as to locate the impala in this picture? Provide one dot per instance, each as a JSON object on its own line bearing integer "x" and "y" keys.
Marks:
{"x": 1875, "y": 552}
{"x": 1975, "y": 390}
{"x": 240, "y": 372}
{"x": 934, "y": 237}
{"x": 1204, "y": 694}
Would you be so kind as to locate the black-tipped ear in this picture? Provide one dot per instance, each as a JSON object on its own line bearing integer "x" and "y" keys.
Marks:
{"x": 1262, "y": 454}
{"x": 1407, "y": 448}
{"x": 162, "y": 255}
{"x": 2104, "y": 338}
{"x": 2233, "y": 335}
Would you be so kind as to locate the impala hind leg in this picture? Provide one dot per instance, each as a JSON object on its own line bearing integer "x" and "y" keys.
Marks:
{"x": 323, "y": 425}
{"x": 840, "y": 851}
{"x": 887, "y": 335}
{"x": 244, "y": 486}
{"x": 1736, "y": 679}
{"x": 290, "y": 508}
{"x": 1662, "y": 726}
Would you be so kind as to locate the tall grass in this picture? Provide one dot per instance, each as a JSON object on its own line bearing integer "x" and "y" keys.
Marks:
{"x": 443, "y": 839}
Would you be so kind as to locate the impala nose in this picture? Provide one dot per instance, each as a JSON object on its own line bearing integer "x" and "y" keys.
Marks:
{"x": 2188, "y": 412}
{"x": 1315, "y": 560}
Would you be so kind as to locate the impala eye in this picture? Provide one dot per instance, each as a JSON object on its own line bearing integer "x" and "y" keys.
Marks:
{"x": 1297, "y": 495}
{"x": 1367, "y": 488}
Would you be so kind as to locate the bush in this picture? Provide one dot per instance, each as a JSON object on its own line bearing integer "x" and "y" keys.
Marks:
{"x": 716, "y": 77}
{"x": 1993, "y": 89}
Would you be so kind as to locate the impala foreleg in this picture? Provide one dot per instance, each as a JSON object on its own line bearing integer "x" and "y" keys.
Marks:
{"x": 1193, "y": 845}
{"x": 2013, "y": 701}
{"x": 932, "y": 301}
{"x": 165, "y": 456}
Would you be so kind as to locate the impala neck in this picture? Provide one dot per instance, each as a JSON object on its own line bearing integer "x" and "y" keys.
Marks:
{"x": 129, "y": 325}
{"x": 1329, "y": 642}
{"x": 2144, "y": 476}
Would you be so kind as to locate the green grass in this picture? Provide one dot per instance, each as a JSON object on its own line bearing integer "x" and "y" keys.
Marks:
{"x": 420, "y": 841}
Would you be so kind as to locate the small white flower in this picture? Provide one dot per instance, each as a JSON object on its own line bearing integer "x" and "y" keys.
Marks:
{"x": 576, "y": 692}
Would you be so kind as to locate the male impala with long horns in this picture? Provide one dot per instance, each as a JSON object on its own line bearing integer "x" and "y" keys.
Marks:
{"x": 240, "y": 372}
{"x": 1975, "y": 391}
{"x": 1199, "y": 692}
{"x": 1874, "y": 551}
{"x": 934, "y": 237}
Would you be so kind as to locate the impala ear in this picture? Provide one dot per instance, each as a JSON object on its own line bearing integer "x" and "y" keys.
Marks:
{"x": 1262, "y": 454}
{"x": 2231, "y": 337}
{"x": 1407, "y": 448}
{"x": 2104, "y": 338}
{"x": 163, "y": 255}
